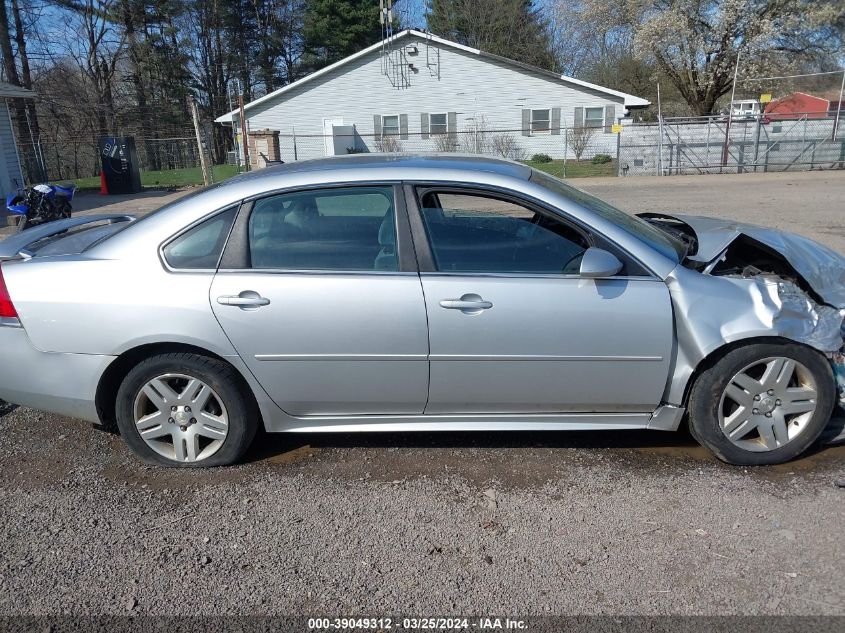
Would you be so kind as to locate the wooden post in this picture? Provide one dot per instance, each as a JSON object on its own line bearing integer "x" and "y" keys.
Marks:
{"x": 245, "y": 138}
{"x": 206, "y": 175}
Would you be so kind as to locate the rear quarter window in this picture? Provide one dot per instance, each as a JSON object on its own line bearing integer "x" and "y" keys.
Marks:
{"x": 200, "y": 247}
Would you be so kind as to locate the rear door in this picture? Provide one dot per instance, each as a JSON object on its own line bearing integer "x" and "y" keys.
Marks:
{"x": 318, "y": 292}
{"x": 512, "y": 325}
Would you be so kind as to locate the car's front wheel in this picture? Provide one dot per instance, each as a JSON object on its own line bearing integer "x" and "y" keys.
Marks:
{"x": 762, "y": 403}
{"x": 182, "y": 409}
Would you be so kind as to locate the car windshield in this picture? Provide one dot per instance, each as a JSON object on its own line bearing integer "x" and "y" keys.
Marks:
{"x": 662, "y": 242}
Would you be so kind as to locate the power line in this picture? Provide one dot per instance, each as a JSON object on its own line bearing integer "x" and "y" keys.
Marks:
{"x": 831, "y": 72}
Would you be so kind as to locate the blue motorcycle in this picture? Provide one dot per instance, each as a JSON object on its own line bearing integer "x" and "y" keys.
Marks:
{"x": 40, "y": 204}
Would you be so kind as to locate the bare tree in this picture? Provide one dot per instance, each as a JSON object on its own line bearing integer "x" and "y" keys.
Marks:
{"x": 388, "y": 143}
{"x": 475, "y": 137}
{"x": 696, "y": 43}
{"x": 10, "y": 69}
{"x": 445, "y": 143}
{"x": 579, "y": 139}
{"x": 691, "y": 46}
{"x": 506, "y": 146}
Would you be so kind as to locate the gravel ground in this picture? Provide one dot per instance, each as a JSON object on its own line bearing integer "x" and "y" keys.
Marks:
{"x": 426, "y": 524}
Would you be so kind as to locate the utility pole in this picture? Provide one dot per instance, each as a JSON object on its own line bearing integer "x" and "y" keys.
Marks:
{"x": 206, "y": 174}
{"x": 659, "y": 164}
{"x": 244, "y": 138}
{"x": 839, "y": 106}
{"x": 730, "y": 115}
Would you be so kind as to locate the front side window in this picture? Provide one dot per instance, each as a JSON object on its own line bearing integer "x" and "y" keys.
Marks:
{"x": 438, "y": 124}
{"x": 390, "y": 125}
{"x": 477, "y": 233}
{"x": 351, "y": 228}
{"x": 540, "y": 121}
{"x": 201, "y": 246}
{"x": 594, "y": 117}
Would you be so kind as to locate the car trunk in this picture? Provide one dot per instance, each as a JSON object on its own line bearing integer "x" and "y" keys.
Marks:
{"x": 63, "y": 237}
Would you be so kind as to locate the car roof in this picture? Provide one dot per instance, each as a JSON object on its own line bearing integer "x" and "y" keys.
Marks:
{"x": 462, "y": 169}
{"x": 387, "y": 163}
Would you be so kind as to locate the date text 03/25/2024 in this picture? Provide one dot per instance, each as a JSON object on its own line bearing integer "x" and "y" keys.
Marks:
{"x": 417, "y": 624}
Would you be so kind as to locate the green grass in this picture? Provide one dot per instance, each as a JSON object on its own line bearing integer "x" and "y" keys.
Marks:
{"x": 167, "y": 177}
{"x": 575, "y": 169}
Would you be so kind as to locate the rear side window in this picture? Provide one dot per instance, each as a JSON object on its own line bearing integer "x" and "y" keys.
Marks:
{"x": 350, "y": 228}
{"x": 201, "y": 246}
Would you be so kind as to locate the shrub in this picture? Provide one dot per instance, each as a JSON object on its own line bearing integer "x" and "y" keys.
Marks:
{"x": 445, "y": 143}
{"x": 599, "y": 159}
{"x": 388, "y": 143}
{"x": 506, "y": 146}
{"x": 541, "y": 158}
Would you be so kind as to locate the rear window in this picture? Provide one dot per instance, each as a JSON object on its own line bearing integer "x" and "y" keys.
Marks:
{"x": 77, "y": 239}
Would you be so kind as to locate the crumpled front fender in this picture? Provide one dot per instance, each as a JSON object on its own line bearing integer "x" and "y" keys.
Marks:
{"x": 711, "y": 312}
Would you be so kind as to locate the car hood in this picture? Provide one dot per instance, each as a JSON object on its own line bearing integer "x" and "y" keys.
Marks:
{"x": 821, "y": 267}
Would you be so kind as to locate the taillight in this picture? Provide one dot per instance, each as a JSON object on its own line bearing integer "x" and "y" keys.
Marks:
{"x": 7, "y": 308}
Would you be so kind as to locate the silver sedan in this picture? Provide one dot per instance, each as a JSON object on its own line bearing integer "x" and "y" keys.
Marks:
{"x": 411, "y": 293}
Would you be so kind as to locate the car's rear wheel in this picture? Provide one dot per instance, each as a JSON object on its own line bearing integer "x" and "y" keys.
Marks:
{"x": 762, "y": 403}
{"x": 186, "y": 410}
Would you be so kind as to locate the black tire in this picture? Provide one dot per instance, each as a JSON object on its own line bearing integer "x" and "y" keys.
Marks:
{"x": 706, "y": 396}
{"x": 222, "y": 378}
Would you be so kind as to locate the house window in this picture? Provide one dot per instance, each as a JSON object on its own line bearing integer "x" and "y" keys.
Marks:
{"x": 390, "y": 125}
{"x": 540, "y": 121}
{"x": 593, "y": 117}
{"x": 437, "y": 124}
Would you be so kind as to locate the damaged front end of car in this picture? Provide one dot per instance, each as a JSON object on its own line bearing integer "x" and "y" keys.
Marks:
{"x": 794, "y": 286}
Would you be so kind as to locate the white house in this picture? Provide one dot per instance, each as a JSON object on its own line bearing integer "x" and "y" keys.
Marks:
{"x": 11, "y": 174}
{"x": 745, "y": 107}
{"x": 419, "y": 92}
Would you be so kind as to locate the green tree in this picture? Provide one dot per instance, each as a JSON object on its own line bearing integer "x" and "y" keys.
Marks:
{"x": 334, "y": 29}
{"x": 511, "y": 28}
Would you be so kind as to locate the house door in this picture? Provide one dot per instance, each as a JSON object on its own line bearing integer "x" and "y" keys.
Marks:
{"x": 328, "y": 134}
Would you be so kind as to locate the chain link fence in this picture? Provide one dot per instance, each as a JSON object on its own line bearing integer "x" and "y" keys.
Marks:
{"x": 563, "y": 152}
{"x": 672, "y": 146}
{"x": 750, "y": 143}
{"x": 697, "y": 145}
{"x": 81, "y": 159}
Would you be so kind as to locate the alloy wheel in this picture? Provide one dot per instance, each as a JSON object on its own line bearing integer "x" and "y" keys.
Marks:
{"x": 767, "y": 404}
{"x": 181, "y": 418}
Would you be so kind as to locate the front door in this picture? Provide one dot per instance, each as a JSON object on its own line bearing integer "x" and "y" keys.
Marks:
{"x": 319, "y": 307}
{"x": 512, "y": 326}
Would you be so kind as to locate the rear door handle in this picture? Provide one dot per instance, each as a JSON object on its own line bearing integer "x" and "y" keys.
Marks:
{"x": 468, "y": 304}
{"x": 457, "y": 304}
{"x": 247, "y": 299}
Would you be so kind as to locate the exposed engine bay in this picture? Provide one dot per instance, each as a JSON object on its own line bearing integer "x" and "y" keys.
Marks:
{"x": 798, "y": 284}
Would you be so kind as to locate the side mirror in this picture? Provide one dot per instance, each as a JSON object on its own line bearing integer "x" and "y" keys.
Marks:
{"x": 597, "y": 263}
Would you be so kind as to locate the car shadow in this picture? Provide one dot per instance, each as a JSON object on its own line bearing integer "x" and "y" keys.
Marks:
{"x": 680, "y": 444}
{"x": 6, "y": 408}
{"x": 270, "y": 444}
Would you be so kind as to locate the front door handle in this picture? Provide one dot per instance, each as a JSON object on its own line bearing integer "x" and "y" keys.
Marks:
{"x": 245, "y": 300}
{"x": 468, "y": 304}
